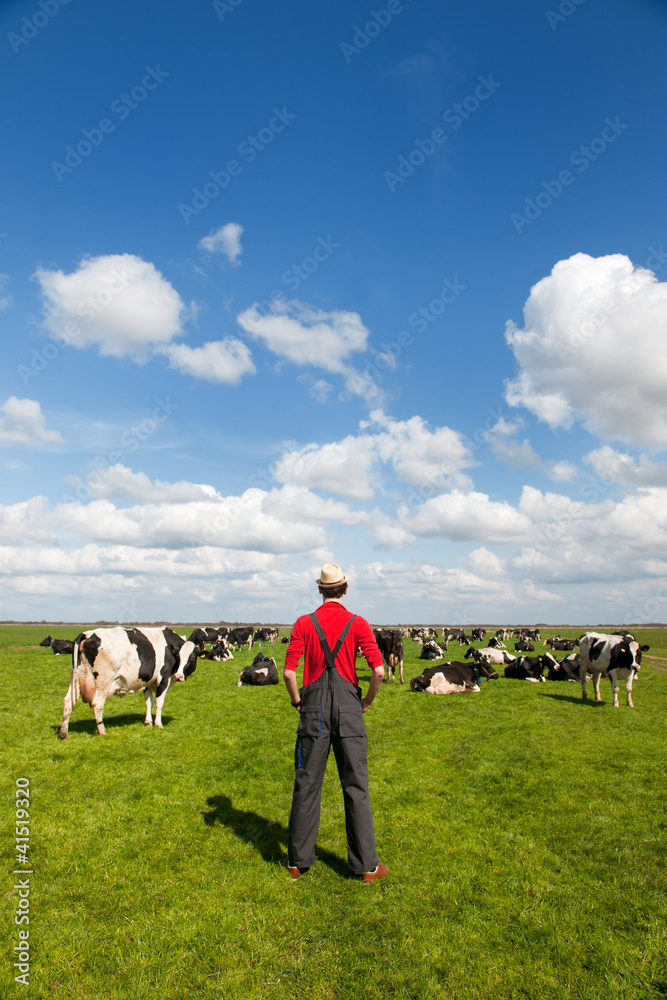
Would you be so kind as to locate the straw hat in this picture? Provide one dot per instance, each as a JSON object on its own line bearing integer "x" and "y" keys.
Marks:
{"x": 331, "y": 576}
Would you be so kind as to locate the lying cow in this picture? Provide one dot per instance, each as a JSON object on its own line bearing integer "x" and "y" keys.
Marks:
{"x": 566, "y": 669}
{"x": 489, "y": 655}
{"x": 390, "y": 644}
{"x": 611, "y": 655}
{"x": 58, "y": 645}
{"x": 431, "y": 651}
{"x": 524, "y": 646}
{"x": 447, "y": 678}
{"x": 529, "y": 668}
{"x": 120, "y": 661}
{"x": 260, "y": 672}
{"x": 452, "y": 678}
{"x": 218, "y": 651}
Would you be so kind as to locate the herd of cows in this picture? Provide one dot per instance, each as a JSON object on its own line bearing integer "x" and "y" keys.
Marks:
{"x": 119, "y": 661}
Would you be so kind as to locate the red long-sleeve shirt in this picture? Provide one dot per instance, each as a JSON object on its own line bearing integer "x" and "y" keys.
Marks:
{"x": 333, "y": 617}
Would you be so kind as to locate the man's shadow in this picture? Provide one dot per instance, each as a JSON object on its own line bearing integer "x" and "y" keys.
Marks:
{"x": 269, "y": 837}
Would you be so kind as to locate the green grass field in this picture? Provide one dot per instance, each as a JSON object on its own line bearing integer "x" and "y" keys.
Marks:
{"x": 525, "y": 832}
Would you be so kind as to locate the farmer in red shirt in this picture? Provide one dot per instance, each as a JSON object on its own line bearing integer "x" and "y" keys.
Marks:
{"x": 331, "y": 714}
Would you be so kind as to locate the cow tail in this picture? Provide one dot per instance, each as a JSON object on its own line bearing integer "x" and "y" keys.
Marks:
{"x": 75, "y": 668}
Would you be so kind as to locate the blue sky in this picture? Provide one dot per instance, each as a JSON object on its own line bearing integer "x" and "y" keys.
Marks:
{"x": 380, "y": 284}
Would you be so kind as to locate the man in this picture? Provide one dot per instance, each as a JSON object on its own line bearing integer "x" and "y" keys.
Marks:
{"x": 331, "y": 713}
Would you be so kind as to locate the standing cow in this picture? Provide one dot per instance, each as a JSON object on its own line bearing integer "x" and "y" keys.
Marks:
{"x": 390, "y": 644}
{"x": 120, "y": 661}
{"x": 612, "y": 655}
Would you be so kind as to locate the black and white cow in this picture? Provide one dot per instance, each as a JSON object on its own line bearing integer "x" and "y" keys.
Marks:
{"x": 496, "y": 656}
{"x": 58, "y": 645}
{"x": 566, "y": 669}
{"x": 524, "y": 646}
{"x": 529, "y": 668}
{"x": 260, "y": 672}
{"x": 390, "y": 644}
{"x": 120, "y": 661}
{"x": 219, "y": 651}
{"x": 452, "y": 678}
{"x": 478, "y": 634}
{"x": 611, "y": 655}
{"x": 199, "y": 636}
{"x": 205, "y": 634}
{"x": 447, "y": 678}
{"x": 267, "y": 634}
{"x": 532, "y": 633}
{"x": 495, "y": 642}
{"x": 431, "y": 651}
{"x": 564, "y": 645}
{"x": 241, "y": 636}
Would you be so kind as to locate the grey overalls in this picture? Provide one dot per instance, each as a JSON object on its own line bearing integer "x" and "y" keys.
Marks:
{"x": 331, "y": 714}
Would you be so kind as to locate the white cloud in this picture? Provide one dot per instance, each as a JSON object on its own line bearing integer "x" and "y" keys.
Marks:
{"x": 318, "y": 389}
{"x": 306, "y": 336}
{"x": 117, "y": 482}
{"x": 22, "y": 424}
{"x": 464, "y": 516}
{"x": 119, "y": 303}
{"x": 230, "y": 522}
{"x": 388, "y": 533}
{"x": 225, "y": 360}
{"x": 427, "y": 459}
{"x": 562, "y": 470}
{"x": 486, "y": 564}
{"x": 605, "y": 541}
{"x": 344, "y": 467}
{"x": 28, "y": 520}
{"x": 179, "y": 515}
{"x": 292, "y": 503}
{"x": 592, "y": 347}
{"x": 615, "y": 466}
{"x": 226, "y": 240}
{"x": 514, "y": 454}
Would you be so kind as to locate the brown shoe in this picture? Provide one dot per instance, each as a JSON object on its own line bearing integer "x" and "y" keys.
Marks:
{"x": 368, "y": 877}
{"x": 294, "y": 872}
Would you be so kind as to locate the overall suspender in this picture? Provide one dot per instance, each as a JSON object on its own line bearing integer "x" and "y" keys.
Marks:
{"x": 330, "y": 656}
